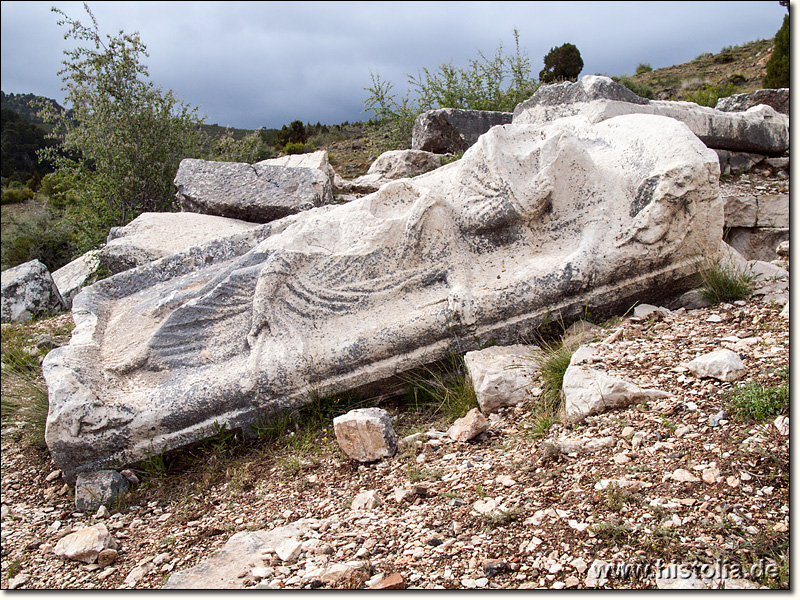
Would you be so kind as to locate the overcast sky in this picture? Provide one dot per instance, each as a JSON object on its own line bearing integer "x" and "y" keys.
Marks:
{"x": 264, "y": 64}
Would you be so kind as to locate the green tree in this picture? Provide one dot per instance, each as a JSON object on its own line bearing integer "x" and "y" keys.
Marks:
{"x": 251, "y": 148}
{"x": 778, "y": 66}
{"x": 122, "y": 142}
{"x": 561, "y": 64}
{"x": 21, "y": 141}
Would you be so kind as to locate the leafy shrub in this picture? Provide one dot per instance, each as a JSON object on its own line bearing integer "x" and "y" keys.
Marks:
{"x": 778, "y": 65}
{"x": 16, "y": 195}
{"x": 709, "y": 95}
{"x": 297, "y": 148}
{"x": 561, "y": 64}
{"x": 643, "y": 68}
{"x": 495, "y": 83}
{"x": 757, "y": 403}
{"x": 724, "y": 57}
{"x": 640, "y": 89}
{"x": 251, "y": 148}
{"x": 123, "y": 139}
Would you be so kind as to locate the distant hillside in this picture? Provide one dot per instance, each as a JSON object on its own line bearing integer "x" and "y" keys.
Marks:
{"x": 744, "y": 66}
{"x": 21, "y": 104}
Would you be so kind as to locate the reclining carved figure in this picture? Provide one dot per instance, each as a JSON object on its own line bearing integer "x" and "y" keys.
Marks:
{"x": 531, "y": 220}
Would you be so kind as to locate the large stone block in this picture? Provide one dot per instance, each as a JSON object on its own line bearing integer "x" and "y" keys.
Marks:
{"x": 257, "y": 193}
{"x": 757, "y": 243}
{"x": 73, "y": 277}
{"x": 776, "y": 98}
{"x": 29, "y": 292}
{"x": 564, "y": 217}
{"x": 453, "y": 129}
{"x": 759, "y": 129}
{"x": 152, "y": 236}
{"x": 394, "y": 164}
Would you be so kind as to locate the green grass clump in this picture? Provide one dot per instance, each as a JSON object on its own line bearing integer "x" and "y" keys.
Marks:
{"x": 446, "y": 392}
{"x": 761, "y": 404}
{"x": 726, "y": 284}
{"x": 554, "y": 364}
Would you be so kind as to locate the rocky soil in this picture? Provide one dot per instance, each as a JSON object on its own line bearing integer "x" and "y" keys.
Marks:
{"x": 680, "y": 480}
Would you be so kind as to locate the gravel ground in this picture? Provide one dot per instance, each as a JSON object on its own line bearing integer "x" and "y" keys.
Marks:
{"x": 669, "y": 481}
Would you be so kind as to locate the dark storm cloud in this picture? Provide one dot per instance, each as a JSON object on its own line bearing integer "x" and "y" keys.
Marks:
{"x": 251, "y": 64}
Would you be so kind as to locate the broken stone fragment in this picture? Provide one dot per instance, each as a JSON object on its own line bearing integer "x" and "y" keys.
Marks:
{"x": 469, "y": 426}
{"x": 368, "y": 500}
{"x": 99, "y": 488}
{"x": 724, "y": 365}
{"x": 502, "y": 375}
{"x": 366, "y": 434}
{"x": 590, "y": 391}
{"x": 86, "y": 544}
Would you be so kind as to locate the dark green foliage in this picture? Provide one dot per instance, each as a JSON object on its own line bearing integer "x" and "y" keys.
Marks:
{"x": 643, "y": 68}
{"x": 16, "y": 195}
{"x": 778, "y": 66}
{"x": 294, "y": 134}
{"x": 44, "y": 237}
{"x": 21, "y": 141}
{"x": 563, "y": 63}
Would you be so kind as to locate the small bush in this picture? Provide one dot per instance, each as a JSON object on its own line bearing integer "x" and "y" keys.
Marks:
{"x": 297, "y": 148}
{"x": 643, "y": 68}
{"x": 725, "y": 284}
{"x": 709, "y": 95}
{"x": 757, "y": 403}
{"x": 724, "y": 57}
{"x": 43, "y": 237}
{"x": 16, "y": 195}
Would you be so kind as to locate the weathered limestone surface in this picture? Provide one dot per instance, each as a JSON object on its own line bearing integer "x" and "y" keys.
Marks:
{"x": 532, "y": 220}
{"x": 590, "y": 391}
{"x": 759, "y": 129}
{"x": 220, "y": 570}
{"x": 311, "y": 160}
{"x": 99, "y": 488}
{"x": 72, "y": 277}
{"x": 391, "y": 165}
{"x": 257, "y": 193}
{"x": 29, "y": 292}
{"x": 453, "y": 129}
{"x": 86, "y": 544}
{"x": 152, "y": 236}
